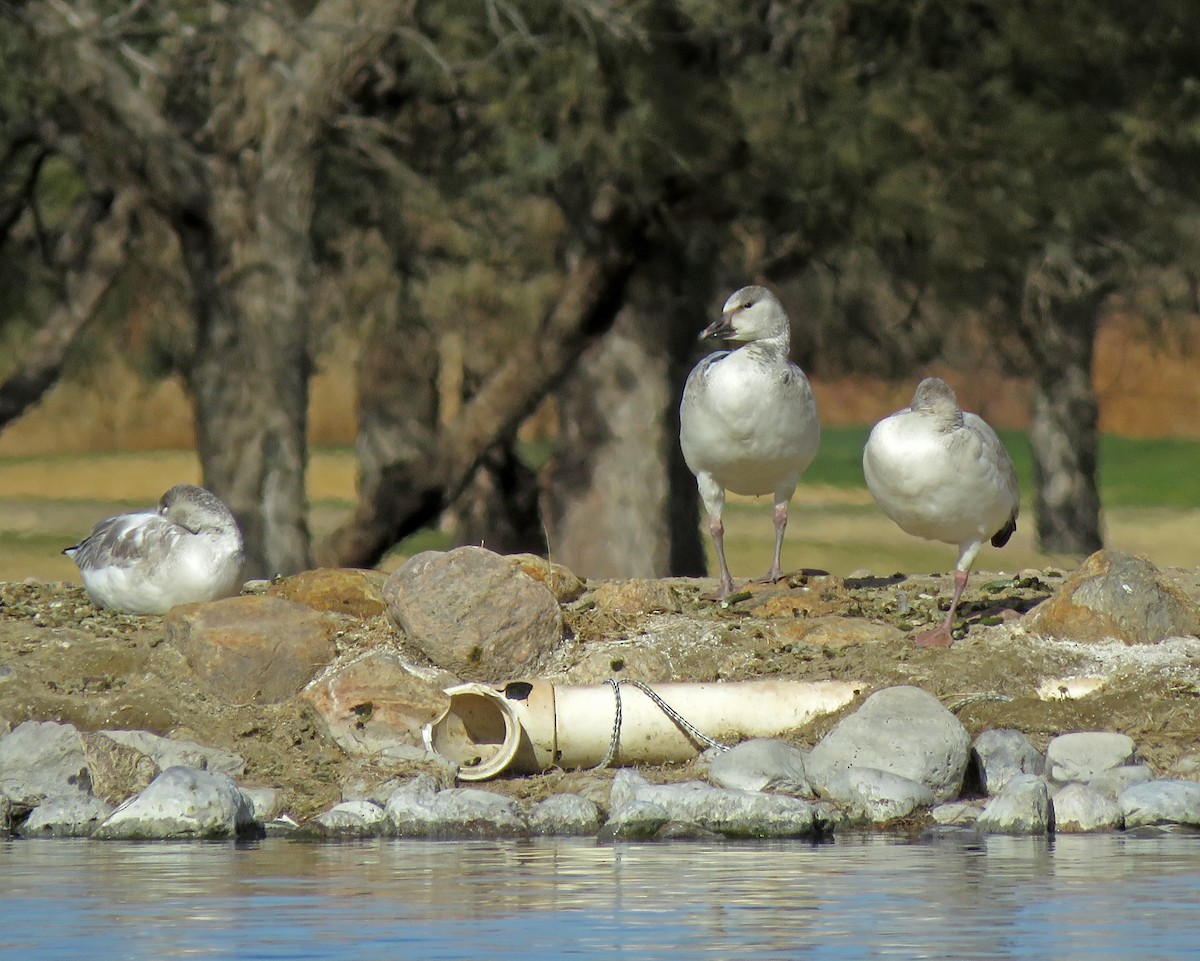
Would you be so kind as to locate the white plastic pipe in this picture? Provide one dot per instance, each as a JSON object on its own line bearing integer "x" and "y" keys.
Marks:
{"x": 529, "y": 726}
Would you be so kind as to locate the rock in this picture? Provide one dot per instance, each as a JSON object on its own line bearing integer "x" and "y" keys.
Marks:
{"x": 6, "y": 816}
{"x": 761, "y": 764}
{"x": 1083, "y": 755}
{"x": 636, "y": 821}
{"x": 374, "y": 705}
{"x": 838, "y": 631}
{"x": 999, "y": 755}
{"x": 1021, "y": 807}
{"x": 559, "y": 579}
{"x": 900, "y": 729}
{"x": 454, "y": 813}
{"x": 635, "y": 597}
{"x": 261, "y": 649}
{"x": 43, "y": 759}
{"x": 267, "y": 803}
{"x": 868, "y": 795}
{"x": 621, "y": 659}
{"x": 568, "y": 815}
{"x": 474, "y": 612}
{"x": 353, "y": 819}
{"x": 957, "y": 813}
{"x": 117, "y": 770}
{"x": 1079, "y": 809}
{"x": 66, "y": 816}
{"x": 1116, "y": 595}
{"x": 730, "y": 813}
{"x": 123, "y": 763}
{"x": 1187, "y": 767}
{"x": 1161, "y": 802}
{"x": 183, "y": 803}
{"x": 1112, "y": 782}
{"x": 336, "y": 590}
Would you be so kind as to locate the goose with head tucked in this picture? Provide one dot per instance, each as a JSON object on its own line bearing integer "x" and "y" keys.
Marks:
{"x": 748, "y": 421}
{"x": 942, "y": 473}
{"x": 188, "y": 548}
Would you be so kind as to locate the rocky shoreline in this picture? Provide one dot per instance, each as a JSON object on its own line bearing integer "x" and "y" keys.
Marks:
{"x": 1071, "y": 703}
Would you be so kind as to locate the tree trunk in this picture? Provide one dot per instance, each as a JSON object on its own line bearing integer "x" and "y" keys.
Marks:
{"x": 237, "y": 186}
{"x": 1060, "y": 332}
{"x": 616, "y": 503}
{"x": 412, "y": 495}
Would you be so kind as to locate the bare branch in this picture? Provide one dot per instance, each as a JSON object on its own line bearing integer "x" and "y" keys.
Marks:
{"x": 97, "y": 261}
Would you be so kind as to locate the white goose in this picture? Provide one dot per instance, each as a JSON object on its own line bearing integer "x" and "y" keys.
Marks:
{"x": 748, "y": 421}
{"x": 187, "y": 549}
{"x": 942, "y": 473}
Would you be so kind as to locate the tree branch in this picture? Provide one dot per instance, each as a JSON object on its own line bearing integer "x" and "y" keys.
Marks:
{"x": 411, "y": 495}
{"x": 95, "y": 265}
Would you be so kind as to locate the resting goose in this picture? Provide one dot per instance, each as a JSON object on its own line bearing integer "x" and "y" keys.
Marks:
{"x": 748, "y": 421}
{"x": 942, "y": 473}
{"x": 187, "y": 549}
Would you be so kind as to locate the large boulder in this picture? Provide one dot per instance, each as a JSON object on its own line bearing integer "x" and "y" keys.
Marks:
{"x": 183, "y": 803}
{"x": 474, "y": 612}
{"x": 249, "y": 648}
{"x": 374, "y": 705}
{"x": 904, "y": 730}
{"x": 43, "y": 759}
{"x": 1118, "y": 596}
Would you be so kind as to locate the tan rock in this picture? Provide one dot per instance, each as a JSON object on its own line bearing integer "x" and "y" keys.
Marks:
{"x": 374, "y": 704}
{"x": 1114, "y": 595}
{"x": 338, "y": 590}
{"x": 559, "y": 579}
{"x": 262, "y": 649}
{"x": 118, "y": 771}
{"x": 638, "y": 595}
{"x": 474, "y": 612}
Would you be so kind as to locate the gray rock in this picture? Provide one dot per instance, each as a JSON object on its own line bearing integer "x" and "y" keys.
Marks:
{"x": 1161, "y": 802}
{"x": 353, "y": 819}
{"x": 266, "y": 802}
{"x": 1000, "y": 754}
{"x": 565, "y": 814}
{"x": 900, "y": 729}
{"x": 454, "y": 813}
{"x": 183, "y": 803}
{"x": 761, "y": 764}
{"x": 66, "y": 816}
{"x": 1079, "y": 809}
{"x": 474, "y": 612}
{"x": 1021, "y": 807}
{"x": 1116, "y": 595}
{"x": 868, "y": 795}
{"x": 168, "y": 752}
{"x": 1082, "y": 756}
{"x": 1112, "y": 782}
{"x": 6, "y": 808}
{"x": 730, "y": 813}
{"x": 627, "y": 784}
{"x": 43, "y": 759}
{"x": 636, "y": 821}
{"x": 957, "y": 813}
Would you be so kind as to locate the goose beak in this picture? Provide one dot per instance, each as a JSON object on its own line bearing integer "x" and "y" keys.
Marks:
{"x": 719, "y": 330}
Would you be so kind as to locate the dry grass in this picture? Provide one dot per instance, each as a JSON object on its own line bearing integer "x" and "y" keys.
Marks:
{"x": 48, "y": 503}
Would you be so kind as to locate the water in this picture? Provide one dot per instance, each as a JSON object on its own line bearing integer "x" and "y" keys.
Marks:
{"x": 1093, "y": 898}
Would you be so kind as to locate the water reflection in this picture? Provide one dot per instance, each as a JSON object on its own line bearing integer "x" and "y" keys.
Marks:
{"x": 963, "y": 897}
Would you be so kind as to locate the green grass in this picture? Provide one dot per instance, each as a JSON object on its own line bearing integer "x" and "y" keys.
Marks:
{"x": 1133, "y": 472}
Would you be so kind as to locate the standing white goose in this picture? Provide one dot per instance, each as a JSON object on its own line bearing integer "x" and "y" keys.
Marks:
{"x": 942, "y": 473}
{"x": 187, "y": 549}
{"x": 748, "y": 421}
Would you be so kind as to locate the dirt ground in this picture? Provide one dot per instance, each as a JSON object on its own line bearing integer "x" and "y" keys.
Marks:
{"x": 62, "y": 659}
